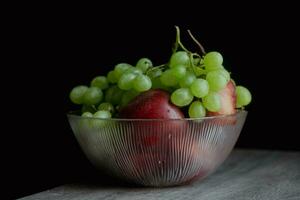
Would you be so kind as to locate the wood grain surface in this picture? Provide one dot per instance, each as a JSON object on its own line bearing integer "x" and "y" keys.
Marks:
{"x": 246, "y": 174}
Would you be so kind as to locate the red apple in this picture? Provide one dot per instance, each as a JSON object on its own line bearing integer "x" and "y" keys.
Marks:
{"x": 153, "y": 104}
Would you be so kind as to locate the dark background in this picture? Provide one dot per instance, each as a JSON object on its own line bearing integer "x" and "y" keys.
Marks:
{"x": 53, "y": 52}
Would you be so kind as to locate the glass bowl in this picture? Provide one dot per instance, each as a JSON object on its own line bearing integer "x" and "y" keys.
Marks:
{"x": 158, "y": 152}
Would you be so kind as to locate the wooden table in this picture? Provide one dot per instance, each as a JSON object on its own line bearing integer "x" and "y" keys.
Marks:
{"x": 246, "y": 174}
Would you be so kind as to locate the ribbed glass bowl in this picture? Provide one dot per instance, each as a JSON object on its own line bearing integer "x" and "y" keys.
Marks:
{"x": 158, "y": 152}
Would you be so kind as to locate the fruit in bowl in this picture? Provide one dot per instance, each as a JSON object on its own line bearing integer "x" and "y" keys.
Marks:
{"x": 161, "y": 125}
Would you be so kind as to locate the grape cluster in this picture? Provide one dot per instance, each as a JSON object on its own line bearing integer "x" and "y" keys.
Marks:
{"x": 193, "y": 81}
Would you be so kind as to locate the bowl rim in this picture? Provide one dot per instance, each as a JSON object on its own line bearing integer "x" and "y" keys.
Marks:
{"x": 239, "y": 112}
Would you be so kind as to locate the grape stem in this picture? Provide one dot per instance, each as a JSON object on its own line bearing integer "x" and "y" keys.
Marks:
{"x": 178, "y": 42}
{"x": 192, "y": 62}
{"x": 154, "y": 68}
{"x": 197, "y": 42}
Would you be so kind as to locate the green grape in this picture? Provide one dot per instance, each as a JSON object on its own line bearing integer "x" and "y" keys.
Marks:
{"x": 213, "y": 60}
{"x": 111, "y": 77}
{"x": 187, "y": 80}
{"x": 88, "y": 108}
{"x": 96, "y": 123}
{"x": 117, "y": 96}
{"x": 87, "y": 114}
{"x": 77, "y": 93}
{"x": 216, "y": 80}
{"x": 199, "y": 88}
{"x": 243, "y": 96}
{"x": 179, "y": 58}
{"x": 197, "y": 110}
{"x": 179, "y": 71}
{"x": 212, "y": 102}
{"x": 103, "y": 114}
{"x": 156, "y": 84}
{"x": 222, "y": 71}
{"x": 144, "y": 64}
{"x": 92, "y": 96}
{"x": 142, "y": 83}
{"x": 106, "y": 106}
{"x": 113, "y": 95}
{"x": 133, "y": 70}
{"x": 225, "y": 73}
{"x": 168, "y": 79}
{"x": 120, "y": 69}
{"x": 126, "y": 81}
{"x": 85, "y": 122}
{"x": 100, "y": 82}
{"x": 128, "y": 96}
{"x": 109, "y": 94}
{"x": 182, "y": 97}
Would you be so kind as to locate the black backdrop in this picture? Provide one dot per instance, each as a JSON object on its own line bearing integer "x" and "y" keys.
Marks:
{"x": 53, "y": 53}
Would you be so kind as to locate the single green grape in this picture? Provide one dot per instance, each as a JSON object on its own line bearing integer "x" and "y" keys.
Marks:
{"x": 168, "y": 79}
{"x": 106, "y": 106}
{"x": 212, "y": 102}
{"x": 187, "y": 80}
{"x": 197, "y": 110}
{"x": 85, "y": 122}
{"x": 108, "y": 94}
{"x": 144, "y": 64}
{"x": 126, "y": 81}
{"x": 103, "y": 114}
{"x": 179, "y": 58}
{"x": 243, "y": 96}
{"x": 100, "y": 82}
{"x": 117, "y": 96}
{"x": 142, "y": 83}
{"x": 225, "y": 73}
{"x": 216, "y": 80}
{"x": 92, "y": 96}
{"x": 128, "y": 96}
{"x": 120, "y": 69}
{"x": 222, "y": 71}
{"x": 213, "y": 60}
{"x": 179, "y": 71}
{"x": 87, "y": 114}
{"x": 157, "y": 84}
{"x": 113, "y": 95}
{"x": 133, "y": 70}
{"x": 111, "y": 77}
{"x": 182, "y": 97}
{"x": 77, "y": 93}
{"x": 199, "y": 88}
{"x": 98, "y": 120}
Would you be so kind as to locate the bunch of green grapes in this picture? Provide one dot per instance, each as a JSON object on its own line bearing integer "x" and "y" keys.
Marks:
{"x": 197, "y": 82}
{"x": 193, "y": 81}
{"x": 106, "y": 94}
